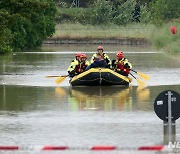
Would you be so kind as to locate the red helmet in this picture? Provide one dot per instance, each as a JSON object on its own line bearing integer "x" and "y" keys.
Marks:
{"x": 100, "y": 48}
{"x": 120, "y": 54}
{"x": 78, "y": 54}
{"x": 83, "y": 55}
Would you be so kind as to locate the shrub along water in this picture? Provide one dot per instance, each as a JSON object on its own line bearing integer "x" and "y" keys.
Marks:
{"x": 162, "y": 38}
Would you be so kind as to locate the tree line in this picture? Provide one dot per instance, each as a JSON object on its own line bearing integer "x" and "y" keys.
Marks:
{"x": 119, "y": 12}
{"x": 24, "y": 24}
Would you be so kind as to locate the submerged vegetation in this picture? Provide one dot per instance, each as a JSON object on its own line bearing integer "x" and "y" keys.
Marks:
{"x": 24, "y": 25}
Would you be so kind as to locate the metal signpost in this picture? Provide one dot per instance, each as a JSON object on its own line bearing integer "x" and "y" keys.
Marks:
{"x": 167, "y": 108}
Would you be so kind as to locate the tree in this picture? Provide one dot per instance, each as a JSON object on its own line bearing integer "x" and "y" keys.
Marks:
{"x": 5, "y": 33}
{"x": 74, "y": 3}
{"x": 102, "y": 13}
{"x": 28, "y": 21}
{"x": 165, "y": 10}
{"x": 123, "y": 11}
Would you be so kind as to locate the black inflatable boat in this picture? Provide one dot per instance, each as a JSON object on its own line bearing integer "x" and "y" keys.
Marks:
{"x": 100, "y": 77}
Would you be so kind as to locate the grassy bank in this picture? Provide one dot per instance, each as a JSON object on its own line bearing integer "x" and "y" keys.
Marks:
{"x": 160, "y": 37}
{"x": 112, "y": 31}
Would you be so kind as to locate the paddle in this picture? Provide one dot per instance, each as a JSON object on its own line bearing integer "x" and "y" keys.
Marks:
{"x": 142, "y": 75}
{"x": 141, "y": 83}
{"x": 53, "y": 76}
{"x": 60, "y": 79}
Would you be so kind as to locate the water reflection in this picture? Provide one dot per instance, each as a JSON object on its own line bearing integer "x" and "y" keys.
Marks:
{"x": 104, "y": 98}
{"x": 25, "y": 98}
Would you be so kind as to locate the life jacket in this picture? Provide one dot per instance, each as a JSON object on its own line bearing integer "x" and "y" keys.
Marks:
{"x": 84, "y": 65}
{"x": 81, "y": 67}
{"x": 120, "y": 66}
{"x": 104, "y": 56}
{"x": 78, "y": 69}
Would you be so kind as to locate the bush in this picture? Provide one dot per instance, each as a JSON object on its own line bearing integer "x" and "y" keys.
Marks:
{"x": 102, "y": 13}
{"x": 124, "y": 13}
{"x": 145, "y": 16}
{"x": 162, "y": 38}
{"x": 165, "y": 10}
{"x": 74, "y": 15}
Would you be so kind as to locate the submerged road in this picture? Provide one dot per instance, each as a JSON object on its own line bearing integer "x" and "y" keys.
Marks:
{"x": 36, "y": 111}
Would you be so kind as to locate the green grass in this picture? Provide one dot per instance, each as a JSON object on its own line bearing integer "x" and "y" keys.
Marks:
{"x": 113, "y": 31}
{"x": 162, "y": 38}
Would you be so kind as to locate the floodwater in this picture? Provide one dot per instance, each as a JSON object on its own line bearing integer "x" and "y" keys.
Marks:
{"x": 36, "y": 111}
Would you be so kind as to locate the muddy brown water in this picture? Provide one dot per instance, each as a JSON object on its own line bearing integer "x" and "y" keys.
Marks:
{"x": 36, "y": 111}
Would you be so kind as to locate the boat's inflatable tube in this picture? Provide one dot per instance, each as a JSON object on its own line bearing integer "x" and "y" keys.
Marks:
{"x": 99, "y": 77}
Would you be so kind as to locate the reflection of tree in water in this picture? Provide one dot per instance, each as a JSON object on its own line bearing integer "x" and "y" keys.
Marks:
{"x": 17, "y": 98}
{"x": 100, "y": 98}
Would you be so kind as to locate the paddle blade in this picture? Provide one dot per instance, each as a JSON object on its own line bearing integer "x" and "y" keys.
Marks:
{"x": 144, "y": 76}
{"x": 130, "y": 79}
{"x": 141, "y": 83}
{"x": 60, "y": 79}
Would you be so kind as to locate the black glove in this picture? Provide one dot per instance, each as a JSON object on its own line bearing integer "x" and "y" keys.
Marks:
{"x": 113, "y": 62}
{"x": 110, "y": 66}
{"x": 126, "y": 66}
{"x": 72, "y": 73}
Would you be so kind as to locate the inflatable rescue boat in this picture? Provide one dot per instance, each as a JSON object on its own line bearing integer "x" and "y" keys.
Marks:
{"x": 99, "y": 77}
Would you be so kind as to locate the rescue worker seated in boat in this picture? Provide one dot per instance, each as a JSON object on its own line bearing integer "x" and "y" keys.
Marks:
{"x": 100, "y": 50}
{"x": 84, "y": 62}
{"x": 77, "y": 57}
{"x": 98, "y": 62}
{"x": 78, "y": 65}
{"x": 121, "y": 64}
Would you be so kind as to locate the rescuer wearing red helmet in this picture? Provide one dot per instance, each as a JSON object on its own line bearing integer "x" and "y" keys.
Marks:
{"x": 77, "y": 56}
{"x": 100, "y": 50}
{"x": 84, "y": 63}
{"x": 78, "y": 65}
{"x": 121, "y": 64}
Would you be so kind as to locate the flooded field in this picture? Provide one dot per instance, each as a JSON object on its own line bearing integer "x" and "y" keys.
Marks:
{"x": 36, "y": 111}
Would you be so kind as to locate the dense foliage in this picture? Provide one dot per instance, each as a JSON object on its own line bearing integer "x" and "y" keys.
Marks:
{"x": 74, "y": 15}
{"x": 165, "y": 10}
{"x": 120, "y": 12}
{"x": 25, "y": 23}
{"x": 74, "y": 3}
{"x": 101, "y": 13}
{"x": 5, "y": 33}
